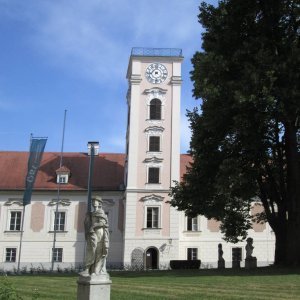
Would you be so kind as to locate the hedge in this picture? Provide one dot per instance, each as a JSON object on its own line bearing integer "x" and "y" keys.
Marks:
{"x": 185, "y": 264}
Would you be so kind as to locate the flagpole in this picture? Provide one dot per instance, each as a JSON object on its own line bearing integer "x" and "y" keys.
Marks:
{"x": 58, "y": 191}
{"x": 22, "y": 223}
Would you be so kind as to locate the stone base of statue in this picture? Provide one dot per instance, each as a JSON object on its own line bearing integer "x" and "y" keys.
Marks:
{"x": 94, "y": 287}
{"x": 221, "y": 264}
{"x": 250, "y": 263}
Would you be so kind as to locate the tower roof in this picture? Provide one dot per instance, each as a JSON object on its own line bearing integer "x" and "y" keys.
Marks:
{"x": 172, "y": 52}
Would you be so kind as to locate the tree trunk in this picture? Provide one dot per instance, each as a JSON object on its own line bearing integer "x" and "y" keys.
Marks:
{"x": 293, "y": 199}
{"x": 293, "y": 242}
{"x": 280, "y": 247}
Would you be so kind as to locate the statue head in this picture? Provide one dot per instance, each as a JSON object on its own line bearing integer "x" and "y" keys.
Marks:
{"x": 97, "y": 202}
{"x": 249, "y": 240}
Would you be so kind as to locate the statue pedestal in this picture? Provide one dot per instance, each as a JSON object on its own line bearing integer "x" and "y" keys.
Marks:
{"x": 250, "y": 263}
{"x": 95, "y": 287}
{"x": 221, "y": 264}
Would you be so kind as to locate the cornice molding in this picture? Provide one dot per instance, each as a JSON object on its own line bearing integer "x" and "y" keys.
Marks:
{"x": 135, "y": 79}
{"x": 14, "y": 201}
{"x": 151, "y": 129}
{"x": 62, "y": 202}
{"x": 156, "y": 91}
{"x": 153, "y": 159}
{"x": 152, "y": 197}
{"x": 176, "y": 80}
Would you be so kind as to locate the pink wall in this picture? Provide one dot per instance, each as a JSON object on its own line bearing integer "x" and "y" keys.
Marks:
{"x": 37, "y": 216}
{"x": 80, "y": 211}
{"x": 257, "y": 208}
{"x": 139, "y": 218}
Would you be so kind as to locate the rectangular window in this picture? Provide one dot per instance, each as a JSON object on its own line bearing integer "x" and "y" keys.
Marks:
{"x": 59, "y": 221}
{"x": 237, "y": 254}
{"x": 153, "y": 175}
{"x": 192, "y": 253}
{"x": 62, "y": 178}
{"x": 152, "y": 217}
{"x": 154, "y": 143}
{"x": 192, "y": 224}
{"x": 57, "y": 254}
{"x": 15, "y": 220}
{"x": 10, "y": 254}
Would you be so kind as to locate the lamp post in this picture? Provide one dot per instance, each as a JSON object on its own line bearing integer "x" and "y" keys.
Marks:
{"x": 93, "y": 150}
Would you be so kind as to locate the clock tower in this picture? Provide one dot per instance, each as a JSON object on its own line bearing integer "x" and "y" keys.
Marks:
{"x": 152, "y": 157}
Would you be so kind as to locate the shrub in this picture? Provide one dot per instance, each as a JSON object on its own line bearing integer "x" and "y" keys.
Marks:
{"x": 7, "y": 291}
{"x": 185, "y": 264}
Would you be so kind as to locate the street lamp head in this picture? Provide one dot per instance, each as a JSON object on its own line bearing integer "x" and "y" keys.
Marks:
{"x": 93, "y": 147}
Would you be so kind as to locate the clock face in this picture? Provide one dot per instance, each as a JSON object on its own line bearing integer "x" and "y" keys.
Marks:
{"x": 156, "y": 73}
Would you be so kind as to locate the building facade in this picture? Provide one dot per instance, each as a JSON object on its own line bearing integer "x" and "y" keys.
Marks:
{"x": 145, "y": 231}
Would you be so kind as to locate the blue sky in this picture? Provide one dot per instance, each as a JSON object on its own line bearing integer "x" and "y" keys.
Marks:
{"x": 73, "y": 55}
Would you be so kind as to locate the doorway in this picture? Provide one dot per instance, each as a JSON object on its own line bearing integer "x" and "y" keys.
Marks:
{"x": 152, "y": 259}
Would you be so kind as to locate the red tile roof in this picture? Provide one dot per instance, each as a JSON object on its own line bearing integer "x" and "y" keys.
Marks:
{"x": 108, "y": 170}
{"x": 185, "y": 160}
{"x": 62, "y": 169}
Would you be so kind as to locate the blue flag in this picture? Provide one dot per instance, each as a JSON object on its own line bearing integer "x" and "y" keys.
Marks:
{"x": 37, "y": 147}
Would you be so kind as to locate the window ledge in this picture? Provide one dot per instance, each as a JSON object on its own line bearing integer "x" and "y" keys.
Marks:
{"x": 13, "y": 231}
{"x": 154, "y": 152}
{"x": 57, "y": 231}
{"x": 155, "y": 120}
{"x": 151, "y": 228}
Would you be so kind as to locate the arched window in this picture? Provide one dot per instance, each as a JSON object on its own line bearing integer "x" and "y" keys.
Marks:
{"x": 155, "y": 109}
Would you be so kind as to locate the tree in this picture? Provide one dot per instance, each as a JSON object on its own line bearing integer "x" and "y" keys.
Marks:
{"x": 245, "y": 139}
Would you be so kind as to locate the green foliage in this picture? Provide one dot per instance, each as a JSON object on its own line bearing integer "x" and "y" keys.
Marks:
{"x": 8, "y": 291}
{"x": 185, "y": 264}
{"x": 245, "y": 138}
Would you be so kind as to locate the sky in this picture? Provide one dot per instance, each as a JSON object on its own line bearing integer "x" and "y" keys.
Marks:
{"x": 73, "y": 55}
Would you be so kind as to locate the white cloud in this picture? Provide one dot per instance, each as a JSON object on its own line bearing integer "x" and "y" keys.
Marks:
{"x": 94, "y": 38}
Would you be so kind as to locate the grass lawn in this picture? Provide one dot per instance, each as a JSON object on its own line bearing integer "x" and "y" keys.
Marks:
{"x": 262, "y": 283}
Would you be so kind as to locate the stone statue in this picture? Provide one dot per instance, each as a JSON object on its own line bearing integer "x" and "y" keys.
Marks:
{"x": 220, "y": 252}
{"x": 97, "y": 240}
{"x": 250, "y": 261}
{"x": 249, "y": 247}
{"x": 221, "y": 261}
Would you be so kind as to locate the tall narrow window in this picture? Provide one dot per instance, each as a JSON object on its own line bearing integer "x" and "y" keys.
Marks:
{"x": 192, "y": 224}
{"x": 59, "y": 221}
{"x": 155, "y": 109}
{"x": 15, "y": 220}
{"x": 192, "y": 253}
{"x": 153, "y": 175}
{"x": 152, "y": 217}
{"x": 57, "y": 254}
{"x": 10, "y": 254}
{"x": 154, "y": 143}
